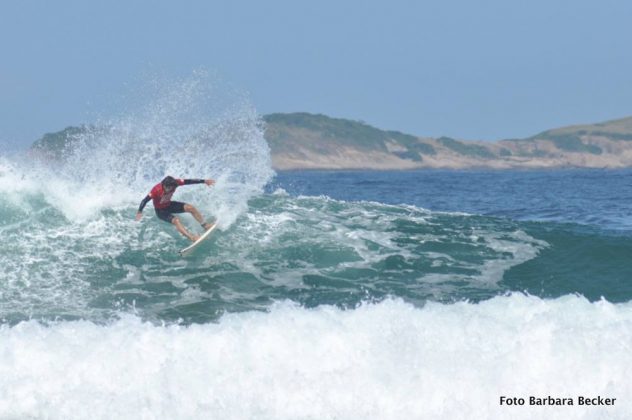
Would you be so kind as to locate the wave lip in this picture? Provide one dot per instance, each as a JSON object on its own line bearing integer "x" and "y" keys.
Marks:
{"x": 388, "y": 361}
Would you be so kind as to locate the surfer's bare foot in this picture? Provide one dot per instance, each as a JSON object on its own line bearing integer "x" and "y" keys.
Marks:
{"x": 194, "y": 238}
{"x": 207, "y": 226}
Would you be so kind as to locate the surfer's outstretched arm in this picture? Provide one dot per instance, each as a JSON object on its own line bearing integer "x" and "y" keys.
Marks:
{"x": 208, "y": 182}
{"x": 143, "y": 203}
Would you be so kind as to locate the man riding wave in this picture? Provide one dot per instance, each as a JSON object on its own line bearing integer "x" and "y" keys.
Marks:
{"x": 161, "y": 195}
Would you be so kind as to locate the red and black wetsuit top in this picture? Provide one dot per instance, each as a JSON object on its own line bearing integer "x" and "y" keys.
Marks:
{"x": 161, "y": 198}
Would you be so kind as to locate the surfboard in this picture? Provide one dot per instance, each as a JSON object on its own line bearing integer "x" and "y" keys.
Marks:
{"x": 188, "y": 250}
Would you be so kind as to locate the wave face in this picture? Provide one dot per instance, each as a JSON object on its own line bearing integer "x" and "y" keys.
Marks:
{"x": 389, "y": 360}
{"x": 311, "y": 250}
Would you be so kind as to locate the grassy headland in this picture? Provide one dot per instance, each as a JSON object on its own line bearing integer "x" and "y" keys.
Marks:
{"x": 301, "y": 140}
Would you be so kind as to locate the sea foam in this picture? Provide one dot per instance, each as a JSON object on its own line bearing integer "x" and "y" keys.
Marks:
{"x": 384, "y": 361}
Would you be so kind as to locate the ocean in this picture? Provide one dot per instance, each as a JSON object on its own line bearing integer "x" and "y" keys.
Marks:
{"x": 322, "y": 295}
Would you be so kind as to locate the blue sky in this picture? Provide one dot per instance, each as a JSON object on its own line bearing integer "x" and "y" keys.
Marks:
{"x": 471, "y": 70}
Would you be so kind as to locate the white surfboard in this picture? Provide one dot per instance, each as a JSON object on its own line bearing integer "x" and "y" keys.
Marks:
{"x": 186, "y": 251}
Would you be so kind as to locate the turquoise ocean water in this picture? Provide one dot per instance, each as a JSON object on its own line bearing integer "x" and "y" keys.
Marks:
{"x": 331, "y": 238}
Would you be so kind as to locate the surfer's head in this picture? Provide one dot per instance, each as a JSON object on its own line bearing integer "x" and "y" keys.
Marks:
{"x": 169, "y": 183}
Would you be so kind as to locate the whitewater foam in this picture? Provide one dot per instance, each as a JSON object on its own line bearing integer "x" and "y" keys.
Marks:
{"x": 384, "y": 361}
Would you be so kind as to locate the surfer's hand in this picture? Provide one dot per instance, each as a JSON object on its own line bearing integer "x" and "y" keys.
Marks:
{"x": 138, "y": 216}
{"x": 209, "y": 182}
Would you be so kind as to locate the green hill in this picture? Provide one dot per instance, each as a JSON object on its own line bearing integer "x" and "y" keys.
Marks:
{"x": 303, "y": 133}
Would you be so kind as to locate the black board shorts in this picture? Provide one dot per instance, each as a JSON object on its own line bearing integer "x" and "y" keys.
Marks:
{"x": 166, "y": 214}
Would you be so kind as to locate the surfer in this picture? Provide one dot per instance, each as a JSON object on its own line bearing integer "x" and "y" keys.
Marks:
{"x": 161, "y": 194}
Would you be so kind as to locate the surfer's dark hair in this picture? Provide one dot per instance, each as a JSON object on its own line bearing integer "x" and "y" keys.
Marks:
{"x": 169, "y": 181}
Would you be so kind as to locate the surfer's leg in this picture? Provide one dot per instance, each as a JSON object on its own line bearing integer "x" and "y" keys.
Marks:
{"x": 183, "y": 230}
{"x": 195, "y": 213}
